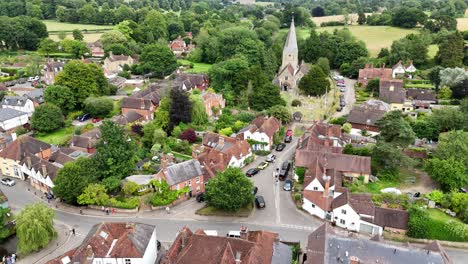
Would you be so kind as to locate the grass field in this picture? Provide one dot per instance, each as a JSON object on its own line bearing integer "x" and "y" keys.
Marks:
{"x": 55, "y": 26}
{"x": 211, "y": 211}
{"x": 88, "y": 37}
{"x": 58, "y": 137}
{"x": 462, "y": 23}
{"x": 338, "y": 18}
{"x": 197, "y": 67}
{"x": 438, "y": 226}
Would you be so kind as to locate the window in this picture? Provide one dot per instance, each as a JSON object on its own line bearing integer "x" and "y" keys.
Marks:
{"x": 128, "y": 261}
{"x": 286, "y": 77}
{"x": 198, "y": 188}
{"x": 343, "y": 211}
{"x": 342, "y": 221}
{"x": 197, "y": 179}
{"x": 315, "y": 188}
{"x": 177, "y": 187}
{"x": 189, "y": 183}
{"x": 313, "y": 205}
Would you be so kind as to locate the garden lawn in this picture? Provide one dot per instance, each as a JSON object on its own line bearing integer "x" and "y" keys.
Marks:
{"x": 375, "y": 37}
{"x": 438, "y": 215}
{"x": 54, "y": 26}
{"x": 197, "y": 67}
{"x": 211, "y": 211}
{"x": 437, "y": 227}
{"x": 58, "y": 137}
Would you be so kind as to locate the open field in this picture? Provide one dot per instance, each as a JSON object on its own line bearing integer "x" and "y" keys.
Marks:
{"x": 462, "y": 23}
{"x": 197, "y": 67}
{"x": 338, "y": 18}
{"x": 88, "y": 37}
{"x": 54, "y": 26}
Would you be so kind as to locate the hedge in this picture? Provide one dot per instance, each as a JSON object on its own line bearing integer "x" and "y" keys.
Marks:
{"x": 124, "y": 203}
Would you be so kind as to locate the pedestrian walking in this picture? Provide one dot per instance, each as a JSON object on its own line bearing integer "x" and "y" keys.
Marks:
{"x": 107, "y": 211}
{"x": 73, "y": 231}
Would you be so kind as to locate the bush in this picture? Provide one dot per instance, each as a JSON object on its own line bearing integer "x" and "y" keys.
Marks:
{"x": 300, "y": 172}
{"x": 391, "y": 200}
{"x": 332, "y": 24}
{"x": 189, "y": 135}
{"x": 457, "y": 229}
{"x": 296, "y": 102}
{"x": 124, "y": 203}
{"x": 436, "y": 196}
{"x": 261, "y": 152}
{"x": 98, "y": 106}
{"x": 419, "y": 223}
{"x": 20, "y": 131}
{"x": 47, "y": 118}
{"x": 297, "y": 197}
{"x": 249, "y": 160}
{"x": 338, "y": 120}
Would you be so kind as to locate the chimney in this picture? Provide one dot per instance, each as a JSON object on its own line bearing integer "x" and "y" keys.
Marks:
{"x": 238, "y": 257}
{"x": 163, "y": 162}
{"x": 326, "y": 190}
{"x": 221, "y": 158}
{"x": 243, "y": 232}
{"x": 44, "y": 170}
{"x": 353, "y": 260}
{"x": 28, "y": 159}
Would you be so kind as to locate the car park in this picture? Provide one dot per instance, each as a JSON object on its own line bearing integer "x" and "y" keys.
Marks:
{"x": 252, "y": 172}
{"x": 8, "y": 182}
{"x": 283, "y": 174}
{"x": 288, "y": 185}
{"x": 270, "y": 158}
{"x": 280, "y": 147}
{"x": 262, "y": 165}
{"x": 259, "y": 202}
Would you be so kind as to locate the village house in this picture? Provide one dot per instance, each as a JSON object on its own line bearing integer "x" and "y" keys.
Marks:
{"x": 6, "y": 139}
{"x": 190, "y": 81}
{"x": 10, "y": 119}
{"x": 324, "y": 246}
{"x": 116, "y": 243}
{"x": 51, "y": 70}
{"x": 129, "y": 117}
{"x": 218, "y": 152}
{"x": 40, "y": 172}
{"x": 96, "y": 49}
{"x": 144, "y": 102}
{"x": 13, "y": 156}
{"x": 392, "y": 92}
{"x": 115, "y": 63}
{"x": 180, "y": 48}
{"x": 402, "y": 71}
{"x": 365, "y": 116}
{"x": 421, "y": 99}
{"x": 253, "y": 247}
{"x": 37, "y": 96}
{"x": 214, "y": 103}
{"x": 185, "y": 174}
{"x": 260, "y": 131}
{"x": 143, "y": 180}
{"x": 369, "y": 73}
{"x": 291, "y": 71}
{"x": 19, "y": 103}
{"x": 86, "y": 142}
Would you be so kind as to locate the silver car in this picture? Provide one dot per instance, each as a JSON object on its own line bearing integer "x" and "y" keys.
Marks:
{"x": 8, "y": 182}
{"x": 270, "y": 158}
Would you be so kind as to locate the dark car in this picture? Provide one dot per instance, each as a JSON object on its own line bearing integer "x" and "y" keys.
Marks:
{"x": 284, "y": 170}
{"x": 84, "y": 117}
{"x": 252, "y": 172}
{"x": 288, "y": 184}
{"x": 288, "y": 139}
{"x": 259, "y": 202}
{"x": 200, "y": 197}
{"x": 280, "y": 147}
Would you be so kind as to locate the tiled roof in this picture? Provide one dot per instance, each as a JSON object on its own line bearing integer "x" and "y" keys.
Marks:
{"x": 392, "y": 91}
{"x": 262, "y": 124}
{"x": 136, "y": 103}
{"x": 127, "y": 118}
{"x": 9, "y": 113}
{"x": 339, "y": 162}
{"x": 361, "y": 203}
{"x": 369, "y": 73}
{"x": 421, "y": 94}
{"x": 364, "y": 115}
{"x": 111, "y": 240}
{"x": 14, "y": 100}
{"x": 33, "y": 162}
{"x": 153, "y": 93}
{"x": 60, "y": 157}
{"x": 317, "y": 198}
{"x": 36, "y": 95}
{"x": 386, "y": 217}
{"x": 183, "y": 171}
{"x": 22, "y": 145}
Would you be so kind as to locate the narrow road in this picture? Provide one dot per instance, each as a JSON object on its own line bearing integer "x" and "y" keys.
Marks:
{"x": 350, "y": 97}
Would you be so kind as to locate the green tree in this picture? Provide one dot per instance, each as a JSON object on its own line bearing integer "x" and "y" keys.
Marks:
{"x": 411, "y": 47}
{"x": 116, "y": 153}
{"x": 5, "y": 230}
{"x": 163, "y": 194}
{"x": 451, "y": 51}
{"x": 230, "y": 78}
{"x": 83, "y": 80}
{"x": 47, "y": 46}
{"x": 98, "y": 106}
{"x": 453, "y": 144}
{"x": 60, "y": 96}
{"x": 361, "y": 18}
{"x": 198, "y": 114}
{"x": 34, "y": 227}
{"x": 156, "y": 24}
{"x": 373, "y": 86}
{"x": 425, "y": 128}
{"x": 130, "y": 188}
{"x": 158, "y": 59}
{"x": 452, "y": 76}
{"x": 388, "y": 158}
{"x": 280, "y": 112}
{"x": 408, "y": 17}
{"x": 112, "y": 37}
{"x": 94, "y": 194}
{"x": 265, "y": 97}
{"x": 315, "y": 82}
{"x": 47, "y": 118}
{"x": 448, "y": 119}
{"x": 161, "y": 117}
{"x": 159, "y": 136}
{"x": 324, "y": 64}
{"x": 77, "y": 35}
{"x": 449, "y": 173}
{"x": 62, "y": 35}
{"x": 87, "y": 14}
{"x": 395, "y": 129}
{"x": 73, "y": 178}
{"x": 230, "y": 190}
{"x": 434, "y": 76}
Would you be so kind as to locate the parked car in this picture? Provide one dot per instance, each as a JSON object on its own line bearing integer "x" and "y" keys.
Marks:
{"x": 262, "y": 165}
{"x": 280, "y": 147}
{"x": 259, "y": 202}
{"x": 343, "y": 89}
{"x": 84, "y": 117}
{"x": 271, "y": 157}
{"x": 342, "y": 103}
{"x": 288, "y": 185}
{"x": 287, "y": 139}
{"x": 8, "y": 182}
{"x": 284, "y": 170}
{"x": 200, "y": 197}
{"x": 252, "y": 172}
{"x": 97, "y": 120}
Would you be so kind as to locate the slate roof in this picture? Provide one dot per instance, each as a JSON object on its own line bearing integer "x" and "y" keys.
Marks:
{"x": 37, "y": 95}
{"x": 324, "y": 246}
{"x": 22, "y": 145}
{"x": 127, "y": 118}
{"x": 136, "y": 103}
{"x": 393, "y": 218}
{"x": 421, "y": 94}
{"x": 9, "y": 113}
{"x": 365, "y": 116}
{"x": 183, "y": 171}
{"x": 392, "y": 91}
{"x": 257, "y": 247}
{"x": 111, "y": 240}
{"x": 39, "y": 165}
{"x": 14, "y": 100}
{"x": 60, "y": 157}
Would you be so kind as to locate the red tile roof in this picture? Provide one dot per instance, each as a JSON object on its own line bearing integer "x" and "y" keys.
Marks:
{"x": 24, "y": 144}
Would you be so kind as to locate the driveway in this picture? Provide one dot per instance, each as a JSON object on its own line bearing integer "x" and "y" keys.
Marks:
{"x": 280, "y": 208}
{"x": 350, "y": 97}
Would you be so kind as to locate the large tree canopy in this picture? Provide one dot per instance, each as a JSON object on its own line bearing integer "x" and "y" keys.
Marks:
{"x": 158, "y": 59}
{"x": 395, "y": 129}
{"x": 47, "y": 118}
{"x": 315, "y": 82}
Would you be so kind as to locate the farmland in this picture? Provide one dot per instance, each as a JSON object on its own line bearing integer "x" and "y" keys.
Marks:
{"x": 55, "y": 26}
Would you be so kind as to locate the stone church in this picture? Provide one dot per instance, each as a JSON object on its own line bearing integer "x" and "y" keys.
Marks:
{"x": 291, "y": 71}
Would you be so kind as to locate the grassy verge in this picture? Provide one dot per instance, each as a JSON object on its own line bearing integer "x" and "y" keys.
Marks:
{"x": 197, "y": 67}
{"x": 211, "y": 211}
{"x": 58, "y": 137}
{"x": 438, "y": 215}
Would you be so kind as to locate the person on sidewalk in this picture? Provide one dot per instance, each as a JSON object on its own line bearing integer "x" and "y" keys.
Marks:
{"x": 73, "y": 231}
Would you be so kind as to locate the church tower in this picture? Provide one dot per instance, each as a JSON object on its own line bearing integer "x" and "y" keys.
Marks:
{"x": 290, "y": 50}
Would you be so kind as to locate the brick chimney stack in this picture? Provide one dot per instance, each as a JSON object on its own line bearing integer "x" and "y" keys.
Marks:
{"x": 243, "y": 232}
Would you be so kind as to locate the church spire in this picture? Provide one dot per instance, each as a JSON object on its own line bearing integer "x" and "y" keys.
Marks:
{"x": 291, "y": 41}
{"x": 290, "y": 50}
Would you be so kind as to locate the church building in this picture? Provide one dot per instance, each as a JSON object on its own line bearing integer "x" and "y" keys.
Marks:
{"x": 291, "y": 71}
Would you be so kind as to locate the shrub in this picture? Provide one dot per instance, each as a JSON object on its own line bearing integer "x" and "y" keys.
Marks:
{"x": 20, "y": 131}
{"x": 249, "y": 160}
{"x": 98, "y": 106}
{"x": 47, "y": 118}
{"x": 296, "y": 102}
{"x": 457, "y": 229}
{"x": 419, "y": 223}
{"x": 300, "y": 172}
{"x": 338, "y": 120}
{"x": 332, "y": 24}
{"x": 261, "y": 152}
{"x": 189, "y": 135}
{"x": 297, "y": 197}
{"x": 436, "y": 196}
{"x": 391, "y": 200}
{"x": 124, "y": 203}
{"x": 226, "y": 131}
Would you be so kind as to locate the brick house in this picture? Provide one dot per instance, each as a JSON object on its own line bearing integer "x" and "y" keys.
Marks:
{"x": 118, "y": 242}
{"x": 253, "y": 247}
{"x": 185, "y": 174}
{"x": 114, "y": 63}
{"x": 51, "y": 70}
{"x": 144, "y": 102}
{"x": 261, "y": 130}
{"x": 179, "y": 47}
{"x": 369, "y": 73}
{"x": 213, "y": 101}
{"x": 96, "y": 49}
{"x": 365, "y": 116}
{"x": 86, "y": 142}
{"x": 191, "y": 81}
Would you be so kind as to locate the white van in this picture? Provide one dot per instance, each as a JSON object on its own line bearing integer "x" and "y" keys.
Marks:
{"x": 235, "y": 234}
